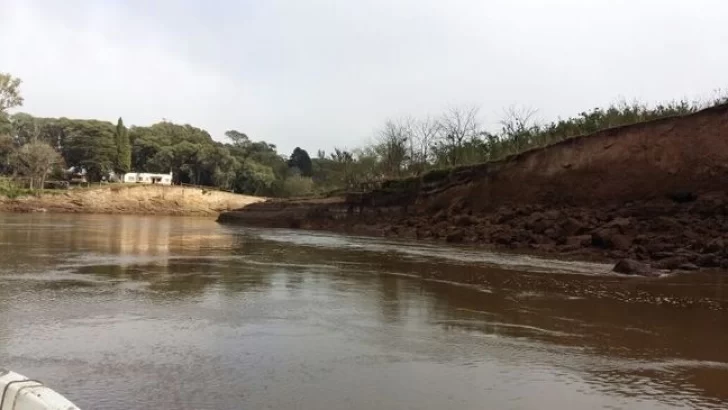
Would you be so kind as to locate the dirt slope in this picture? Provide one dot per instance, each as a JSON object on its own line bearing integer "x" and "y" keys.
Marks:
{"x": 647, "y": 160}
{"x": 132, "y": 199}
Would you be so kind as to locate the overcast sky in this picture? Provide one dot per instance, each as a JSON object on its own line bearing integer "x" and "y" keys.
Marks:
{"x": 319, "y": 73}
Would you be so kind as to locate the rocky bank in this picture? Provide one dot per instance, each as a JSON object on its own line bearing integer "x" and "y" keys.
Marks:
{"x": 654, "y": 194}
{"x": 131, "y": 199}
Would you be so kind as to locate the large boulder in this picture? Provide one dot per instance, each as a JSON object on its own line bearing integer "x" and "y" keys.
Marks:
{"x": 552, "y": 215}
{"x": 689, "y": 267}
{"x": 673, "y": 262}
{"x": 683, "y": 196}
{"x": 455, "y": 236}
{"x": 666, "y": 224}
{"x": 709, "y": 260}
{"x": 602, "y": 238}
{"x": 715, "y": 245}
{"x": 573, "y": 227}
{"x": 611, "y": 238}
{"x": 464, "y": 220}
{"x": 622, "y": 224}
{"x": 633, "y": 267}
{"x": 579, "y": 241}
{"x": 621, "y": 242}
{"x": 555, "y": 233}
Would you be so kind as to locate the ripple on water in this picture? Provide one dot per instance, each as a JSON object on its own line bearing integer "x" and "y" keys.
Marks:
{"x": 325, "y": 321}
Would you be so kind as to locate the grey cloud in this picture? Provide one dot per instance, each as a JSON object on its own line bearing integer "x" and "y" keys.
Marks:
{"x": 323, "y": 73}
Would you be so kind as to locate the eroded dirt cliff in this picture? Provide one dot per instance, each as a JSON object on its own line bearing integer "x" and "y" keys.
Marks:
{"x": 652, "y": 192}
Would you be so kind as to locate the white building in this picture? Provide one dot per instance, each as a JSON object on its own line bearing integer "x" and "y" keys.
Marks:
{"x": 147, "y": 178}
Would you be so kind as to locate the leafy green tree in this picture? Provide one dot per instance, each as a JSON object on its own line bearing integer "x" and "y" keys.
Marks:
{"x": 6, "y": 126}
{"x": 300, "y": 159}
{"x": 123, "y": 148}
{"x": 26, "y": 128}
{"x": 34, "y": 161}
{"x": 237, "y": 138}
{"x": 343, "y": 168}
{"x": 260, "y": 161}
{"x": 9, "y": 98}
{"x": 9, "y": 92}
{"x": 254, "y": 179}
{"x": 89, "y": 144}
{"x": 219, "y": 167}
{"x": 165, "y": 147}
{"x": 7, "y": 149}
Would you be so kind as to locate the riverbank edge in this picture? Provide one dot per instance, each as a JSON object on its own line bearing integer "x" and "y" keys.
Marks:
{"x": 130, "y": 200}
{"x": 653, "y": 237}
{"x": 651, "y": 194}
{"x": 384, "y": 230}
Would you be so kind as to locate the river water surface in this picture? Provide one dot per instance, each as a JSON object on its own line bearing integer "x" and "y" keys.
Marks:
{"x": 127, "y": 312}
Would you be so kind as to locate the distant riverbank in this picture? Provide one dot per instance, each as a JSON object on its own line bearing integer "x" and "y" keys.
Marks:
{"x": 131, "y": 199}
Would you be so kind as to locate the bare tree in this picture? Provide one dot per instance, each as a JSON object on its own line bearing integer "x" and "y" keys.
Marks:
{"x": 519, "y": 126}
{"x": 34, "y": 161}
{"x": 393, "y": 145}
{"x": 456, "y": 127}
{"x": 344, "y": 161}
{"x": 423, "y": 136}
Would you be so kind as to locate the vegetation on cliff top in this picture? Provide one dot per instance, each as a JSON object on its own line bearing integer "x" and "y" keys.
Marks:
{"x": 34, "y": 149}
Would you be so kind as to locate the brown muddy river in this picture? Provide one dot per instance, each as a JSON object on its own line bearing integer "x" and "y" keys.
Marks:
{"x": 127, "y": 312}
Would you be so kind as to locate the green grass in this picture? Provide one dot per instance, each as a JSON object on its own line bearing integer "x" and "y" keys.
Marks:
{"x": 9, "y": 189}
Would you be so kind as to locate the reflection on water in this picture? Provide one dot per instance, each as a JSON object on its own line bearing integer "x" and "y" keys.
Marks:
{"x": 125, "y": 312}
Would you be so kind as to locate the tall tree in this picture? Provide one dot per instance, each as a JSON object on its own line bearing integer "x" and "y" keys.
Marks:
{"x": 166, "y": 147}
{"x": 123, "y": 148}
{"x": 423, "y": 136}
{"x": 89, "y": 144}
{"x": 238, "y": 138}
{"x": 26, "y": 128}
{"x": 9, "y": 98}
{"x": 9, "y": 92}
{"x": 300, "y": 159}
{"x": 254, "y": 178}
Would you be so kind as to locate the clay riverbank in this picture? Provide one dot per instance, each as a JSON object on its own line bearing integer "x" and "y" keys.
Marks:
{"x": 652, "y": 192}
{"x": 131, "y": 199}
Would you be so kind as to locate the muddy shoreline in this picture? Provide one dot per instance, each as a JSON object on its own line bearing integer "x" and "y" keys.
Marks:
{"x": 667, "y": 234}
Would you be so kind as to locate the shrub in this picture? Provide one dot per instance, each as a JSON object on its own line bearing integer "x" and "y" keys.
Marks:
{"x": 297, "y": 185}
{"x": 10, "y": 189}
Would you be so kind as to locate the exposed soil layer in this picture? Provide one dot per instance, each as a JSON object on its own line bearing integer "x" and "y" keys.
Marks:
{"x": 652, "y": 192}
{"x": 131, "y": 199}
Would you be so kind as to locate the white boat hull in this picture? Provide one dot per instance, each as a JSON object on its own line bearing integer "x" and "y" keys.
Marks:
{"x": 17, "y": 392}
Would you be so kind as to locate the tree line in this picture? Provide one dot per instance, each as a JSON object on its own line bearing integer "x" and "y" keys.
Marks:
{"x": 36, "y": 149}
